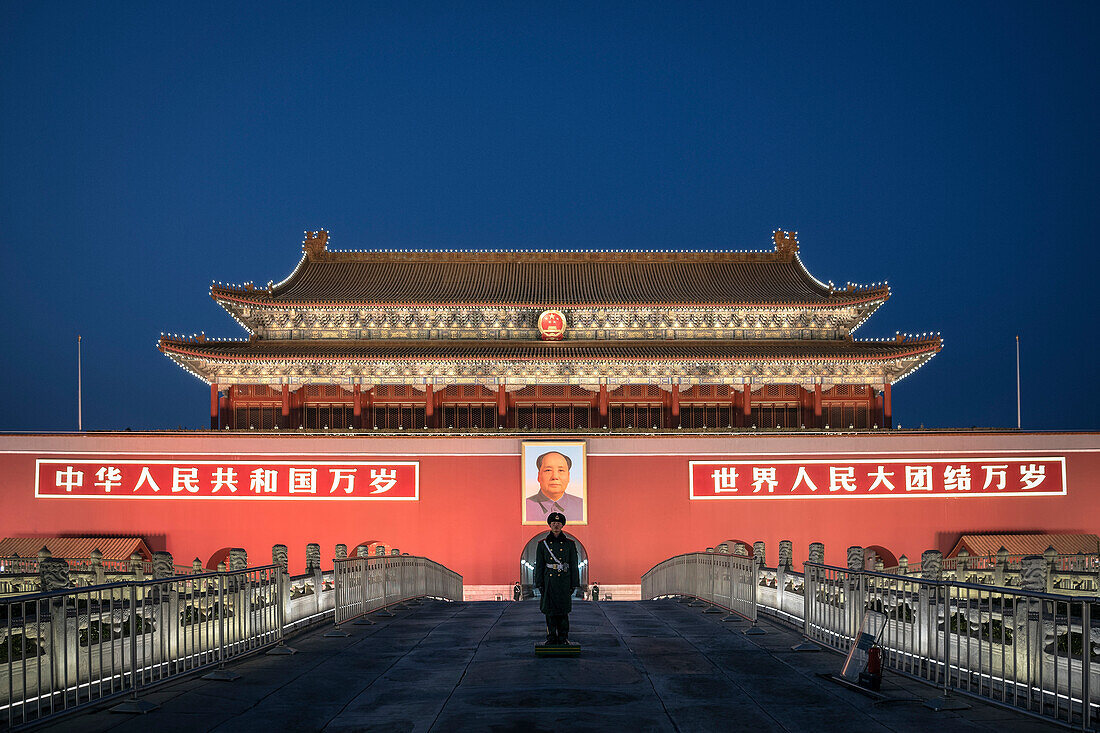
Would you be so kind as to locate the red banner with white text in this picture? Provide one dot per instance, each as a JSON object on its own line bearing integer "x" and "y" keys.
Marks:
{"x": 889, "y": 477}
{"x": 257, "y": 479}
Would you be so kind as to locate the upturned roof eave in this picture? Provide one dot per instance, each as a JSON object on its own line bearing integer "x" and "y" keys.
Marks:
{"x": 907, "y": 349}
{"x": 227, "y": 297}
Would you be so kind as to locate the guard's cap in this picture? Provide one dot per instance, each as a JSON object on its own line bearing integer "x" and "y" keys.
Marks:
{"x": 555, "y": 517}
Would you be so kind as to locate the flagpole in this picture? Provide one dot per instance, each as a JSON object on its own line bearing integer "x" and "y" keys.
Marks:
{"x": 1017, "y": 381}
{"x": 79, "y": 395}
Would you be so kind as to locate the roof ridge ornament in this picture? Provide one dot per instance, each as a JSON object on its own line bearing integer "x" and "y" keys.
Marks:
{"x": 315, "y": 243}
{"x": 786, "y": 243}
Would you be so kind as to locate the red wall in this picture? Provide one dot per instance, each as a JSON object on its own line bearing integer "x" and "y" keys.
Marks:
{"x": 468, "y": 515}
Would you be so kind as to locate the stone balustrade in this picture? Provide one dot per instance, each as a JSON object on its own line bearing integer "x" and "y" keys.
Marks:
{"x": 781, "y": 592}
{"x": 165, "y": 614}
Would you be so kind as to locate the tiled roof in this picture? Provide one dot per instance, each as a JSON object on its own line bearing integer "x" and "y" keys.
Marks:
{"x": 754, "y": 350}
{"x": 113, "y": 548}
{"x": 558, "y": 279}
{"x": 1027, "y": 544}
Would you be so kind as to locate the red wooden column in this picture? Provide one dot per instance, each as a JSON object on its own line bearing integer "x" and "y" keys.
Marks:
{"x": 871, "y": 419}
{"x": 213, "y": 405}
{"x": 223, "y": 411}
{"x": 888, "y": 413}
{"x": 878, "y": 409}
{"x": 817, "y": 405}
{"x": 357, "y": 407}
{"x": 746, "y": 405}
{"x": 674, "y": 407}
{"x": 502, "y": 407}
{"x": 429, "y": 406}
{"x": 230, "y": 408}
{"x": 284, "y": 414}
{"x": 370, "y": 409}
{"x": 603, "y": 400}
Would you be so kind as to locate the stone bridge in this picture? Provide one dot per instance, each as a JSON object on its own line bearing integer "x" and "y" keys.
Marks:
{"x": 646, "y": 666}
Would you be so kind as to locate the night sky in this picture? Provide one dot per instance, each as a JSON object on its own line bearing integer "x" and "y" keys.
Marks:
{"x": 147, "y": 149}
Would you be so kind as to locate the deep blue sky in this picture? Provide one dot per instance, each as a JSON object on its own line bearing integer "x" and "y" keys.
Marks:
{"x": 951, "y": 149}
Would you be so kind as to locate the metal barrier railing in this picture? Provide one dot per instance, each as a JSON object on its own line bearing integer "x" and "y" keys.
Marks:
{"x": 71, "y": 648}
{"x": 1027, "y": 650}
{"x": 726, "y": 581}
{"x": 366, "y": 584}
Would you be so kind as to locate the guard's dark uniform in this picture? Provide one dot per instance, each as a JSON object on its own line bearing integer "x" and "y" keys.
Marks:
{"x": 557, "y": 581}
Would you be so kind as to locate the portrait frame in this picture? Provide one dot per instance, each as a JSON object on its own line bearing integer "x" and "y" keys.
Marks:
{"x": 530, "y": 451}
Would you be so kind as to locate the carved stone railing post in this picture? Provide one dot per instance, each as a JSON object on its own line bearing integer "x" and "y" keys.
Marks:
{"x": 137, "y": 567}
{"x": 739, "y": 548}
{"x": 97, "y": 567}
{"x": 855, "y": 558}
{"x": 962, "y": 565}
{"x": 1050, "y": 556}
{"x": 758, "y": 552}
{"x": 380, "y": 550}
{"x": 163, "y": 566}
{"x": 928, "y": 613}
{"x": 903, "y": 565}
{"x": 1028, "y": 639}
{"x": 855, "y": 601}
{"x": 395, "y": 552}
{"x": 313, "y": 565}
{"x": 362, "y": 551}
{"x": 279, "y": 557}
{"x": 341, "y": 552}
{"x": 786, "y": 554}
{"x": 196, "y": 566}
{"x": 723, "y": 548}
{"x": 166, "y": 632}
{"x": 53, "y": 575}
{"x": 879, "y": 564}
{"x": 1000, "y": 567}
{"x": 783, "y": 566}
{"x": 236, "y": 589}
{"x": 816, "y": 554}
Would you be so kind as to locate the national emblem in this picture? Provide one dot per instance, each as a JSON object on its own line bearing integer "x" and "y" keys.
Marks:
{"x": 552, "y": 325}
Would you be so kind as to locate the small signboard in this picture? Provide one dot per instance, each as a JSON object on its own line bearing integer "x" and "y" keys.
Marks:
{"x": 870, "y": 629}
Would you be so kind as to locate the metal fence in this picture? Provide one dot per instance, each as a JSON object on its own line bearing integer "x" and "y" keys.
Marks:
{"x": 366, "y": 584}
{"x": 726, "y": 581}
{"x": 70, "y": 648}
{"x": 1029, "y": 650}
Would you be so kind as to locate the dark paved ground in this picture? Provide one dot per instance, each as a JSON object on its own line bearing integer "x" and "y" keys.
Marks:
{"x": 646, "y": 666}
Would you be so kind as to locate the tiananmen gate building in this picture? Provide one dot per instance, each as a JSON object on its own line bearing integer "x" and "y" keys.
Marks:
{"x": 408, "y": 399}
{"x": 408, "y": 340}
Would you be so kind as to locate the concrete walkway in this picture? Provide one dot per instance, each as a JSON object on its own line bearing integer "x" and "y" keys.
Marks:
{"x": 646, "y": 666}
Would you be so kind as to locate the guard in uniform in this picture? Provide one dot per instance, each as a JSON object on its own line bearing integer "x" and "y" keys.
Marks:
{"x": 557, "y": 577}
